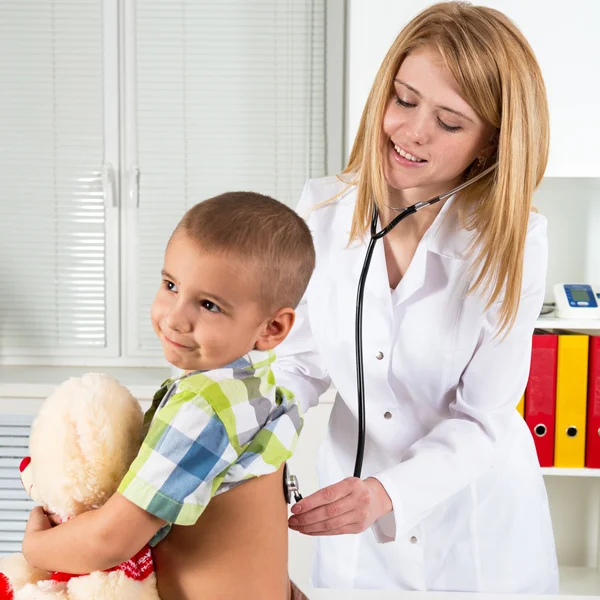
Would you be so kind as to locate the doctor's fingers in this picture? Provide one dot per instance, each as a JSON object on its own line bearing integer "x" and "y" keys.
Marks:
{"x": 327, "y": 495}
{"x": 324, "y": 514}
{"x": 345, "y": 523}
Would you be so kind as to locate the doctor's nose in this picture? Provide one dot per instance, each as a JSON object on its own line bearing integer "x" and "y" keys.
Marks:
{"x": 417, "y": 130}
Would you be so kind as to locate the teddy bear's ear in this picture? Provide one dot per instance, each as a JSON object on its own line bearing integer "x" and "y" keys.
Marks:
{"x": 84, "y": 438}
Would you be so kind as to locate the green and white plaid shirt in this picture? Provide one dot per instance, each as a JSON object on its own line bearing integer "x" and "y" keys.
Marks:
{"x": 207, "y": 432}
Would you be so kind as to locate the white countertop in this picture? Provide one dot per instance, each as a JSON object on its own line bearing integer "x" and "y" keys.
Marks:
{"x": 321, "y": 594}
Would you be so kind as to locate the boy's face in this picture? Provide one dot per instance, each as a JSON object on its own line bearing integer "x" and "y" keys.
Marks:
{"x": 207, "y": 312}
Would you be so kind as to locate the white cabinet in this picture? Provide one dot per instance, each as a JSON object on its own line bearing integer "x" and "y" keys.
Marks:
{"x": 572, "y": 207}
{"x": 564, "y": 37}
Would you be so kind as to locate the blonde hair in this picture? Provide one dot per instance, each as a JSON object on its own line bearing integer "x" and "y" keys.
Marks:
{"x": 262, "y": 233}
{"x": 500, "y": 78}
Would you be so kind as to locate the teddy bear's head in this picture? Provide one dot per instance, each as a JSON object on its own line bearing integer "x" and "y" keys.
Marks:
{"x": 82, "y": 442}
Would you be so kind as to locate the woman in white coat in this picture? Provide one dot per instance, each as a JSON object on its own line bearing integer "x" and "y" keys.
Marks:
{"x": 452, "y": 497}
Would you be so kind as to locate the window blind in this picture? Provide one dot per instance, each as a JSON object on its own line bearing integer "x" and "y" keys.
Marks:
{"x": 15, "y": 505}
{"x": 53, "y": 240}
{"x": 229, "y": 95}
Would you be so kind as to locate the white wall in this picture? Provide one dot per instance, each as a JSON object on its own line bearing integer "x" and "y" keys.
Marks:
{"x": 572, "y": 207}
{"x": 565, "y": 37}
{"x": 570, "y": 194}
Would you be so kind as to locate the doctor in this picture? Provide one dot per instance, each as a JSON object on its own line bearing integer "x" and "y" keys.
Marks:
{"x": 452, "y": 497}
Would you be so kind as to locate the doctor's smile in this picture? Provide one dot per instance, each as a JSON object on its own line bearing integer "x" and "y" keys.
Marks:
{"x": 405, "y": 158}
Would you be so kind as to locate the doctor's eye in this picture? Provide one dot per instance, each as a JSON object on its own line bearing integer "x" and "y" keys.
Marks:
{"x": 401, "y": 102}
{"x": 450, "y": 128}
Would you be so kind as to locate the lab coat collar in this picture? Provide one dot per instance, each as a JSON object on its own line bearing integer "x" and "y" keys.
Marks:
{"x": 446, "y": 236}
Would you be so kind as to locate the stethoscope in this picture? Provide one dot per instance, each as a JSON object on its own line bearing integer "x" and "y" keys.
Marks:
{"x": 291, "y": 488}
{"x": 377, "y": 235}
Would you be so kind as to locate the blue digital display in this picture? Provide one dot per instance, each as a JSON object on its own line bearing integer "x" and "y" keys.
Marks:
{"x": 580, "y": 296}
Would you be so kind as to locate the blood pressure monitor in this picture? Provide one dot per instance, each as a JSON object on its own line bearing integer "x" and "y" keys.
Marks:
{"x": 576, "y": 301}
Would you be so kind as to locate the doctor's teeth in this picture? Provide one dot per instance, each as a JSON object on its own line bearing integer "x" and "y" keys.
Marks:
{"x": 407, "y": 155}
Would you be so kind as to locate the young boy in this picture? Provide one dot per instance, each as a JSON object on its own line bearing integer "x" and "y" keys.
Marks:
{"x": 234, "y": 270}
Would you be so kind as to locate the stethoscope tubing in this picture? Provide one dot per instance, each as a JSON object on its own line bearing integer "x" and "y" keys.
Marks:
{"x": 377, "y": 235}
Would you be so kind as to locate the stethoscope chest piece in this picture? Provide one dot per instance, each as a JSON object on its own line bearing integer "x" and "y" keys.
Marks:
{"x": 291, "y": 488}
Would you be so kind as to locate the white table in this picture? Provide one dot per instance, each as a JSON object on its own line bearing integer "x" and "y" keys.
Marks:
{"x": 321, "y": 594}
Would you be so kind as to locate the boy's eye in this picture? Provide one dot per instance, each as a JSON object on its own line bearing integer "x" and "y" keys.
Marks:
{"x": 169, "y": 285}
{"x": 210, "y": 306}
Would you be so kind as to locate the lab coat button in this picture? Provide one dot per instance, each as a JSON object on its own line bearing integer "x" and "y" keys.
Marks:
{"x": 413, "y": 540}
{"x": 379, "y": 355}
{"x": 387, "y": 415}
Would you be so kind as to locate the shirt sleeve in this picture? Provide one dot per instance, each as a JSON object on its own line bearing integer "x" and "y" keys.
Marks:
{"x": 183, "y": 459}
{"x": 460, "y": 448}
{"x": 299, "y": 368}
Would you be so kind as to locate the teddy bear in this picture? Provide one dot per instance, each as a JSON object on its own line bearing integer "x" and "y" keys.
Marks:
{"x": 82, "y": 442}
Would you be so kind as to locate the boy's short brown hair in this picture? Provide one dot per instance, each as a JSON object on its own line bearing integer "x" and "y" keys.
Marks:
{"x": 262, "y": 233}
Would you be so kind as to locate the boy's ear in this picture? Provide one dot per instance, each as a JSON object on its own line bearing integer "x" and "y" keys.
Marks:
{"x": 276, "y": 329}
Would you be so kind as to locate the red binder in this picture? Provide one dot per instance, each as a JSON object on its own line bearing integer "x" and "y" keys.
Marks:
{"x": 540, "y": 395}
{"x": 592, "y": 446}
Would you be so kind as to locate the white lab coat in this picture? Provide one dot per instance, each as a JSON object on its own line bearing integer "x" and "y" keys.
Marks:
{"x": 443, "y": 434}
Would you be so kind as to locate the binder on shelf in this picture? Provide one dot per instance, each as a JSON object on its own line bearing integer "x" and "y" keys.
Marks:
{"x": 592, "y": 446}
{"x": 540, "y": 395}
{"x": 571, "y": 400}
{"x": 521, "y": 406}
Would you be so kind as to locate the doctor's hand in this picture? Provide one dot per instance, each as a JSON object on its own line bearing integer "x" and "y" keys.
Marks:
{"x": 350, "y": 506}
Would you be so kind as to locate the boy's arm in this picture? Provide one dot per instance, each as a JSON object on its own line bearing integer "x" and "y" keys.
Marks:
{"x": 183, "y": 459}
{"x": 94, "y": 541}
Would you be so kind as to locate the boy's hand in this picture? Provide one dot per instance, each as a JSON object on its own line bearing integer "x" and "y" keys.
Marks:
{"x": 38, "y": 521}
{"x": 95, "y": 540}
{"x": 54, "y": 519}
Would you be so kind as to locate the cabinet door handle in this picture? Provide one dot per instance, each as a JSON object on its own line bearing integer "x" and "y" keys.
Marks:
{"x": 134, "y": 186}
{"x": 108, "y": 186}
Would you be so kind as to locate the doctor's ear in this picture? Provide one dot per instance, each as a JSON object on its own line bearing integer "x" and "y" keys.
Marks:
{"x": 275, "y": 329}
{"x": 490, "y": 148}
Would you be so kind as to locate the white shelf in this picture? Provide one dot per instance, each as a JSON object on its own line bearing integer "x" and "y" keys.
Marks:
{"x": 583, "y": 472}
{"x": 579, "y": 581}
{"x": 552, "y": 322}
